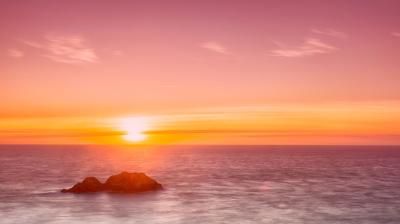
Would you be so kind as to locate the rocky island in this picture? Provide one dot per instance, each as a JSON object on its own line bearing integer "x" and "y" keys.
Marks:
{"x": 124, "y": 182}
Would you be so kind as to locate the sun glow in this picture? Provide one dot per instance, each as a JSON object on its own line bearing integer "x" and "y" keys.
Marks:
{"x": 134, "y": 128}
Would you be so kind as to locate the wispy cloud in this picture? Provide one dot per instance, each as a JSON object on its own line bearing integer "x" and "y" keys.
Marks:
{"x": 331, "y": 33}
{"x": 14, "y": 53}
{"x": 311, "y": 46}
{"x": 396, "y": 34}
{"x": 65, "y": 49}
{"x": 215, "y": 46}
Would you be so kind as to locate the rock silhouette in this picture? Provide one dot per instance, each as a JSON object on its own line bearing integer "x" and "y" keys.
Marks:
{"x": 131, "y": 182}
{"x": 89, "y": 184}
{"x": 124, "y": 182}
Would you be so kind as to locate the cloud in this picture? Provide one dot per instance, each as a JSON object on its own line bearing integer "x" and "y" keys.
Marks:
{"x": 14, "y": 53}
{"x": 65, "y": 49}
{"x": 331, "y": 33}
{"x": 32, "y": 44}
{"x": 310, "y": 47}
{"x": 396, "y": 34}
{"x": 214, "y": 46}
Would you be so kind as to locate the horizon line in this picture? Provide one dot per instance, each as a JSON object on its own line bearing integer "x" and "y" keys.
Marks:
{"x": 138, "y": 145}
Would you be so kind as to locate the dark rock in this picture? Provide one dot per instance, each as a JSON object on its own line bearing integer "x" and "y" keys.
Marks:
{"x": 89, "y": 184}
{"x": 122, "y": 183}
{"x": 131, "y": 182}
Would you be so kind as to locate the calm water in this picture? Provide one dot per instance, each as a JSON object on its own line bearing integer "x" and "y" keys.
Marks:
{"x": 224, "y": 184}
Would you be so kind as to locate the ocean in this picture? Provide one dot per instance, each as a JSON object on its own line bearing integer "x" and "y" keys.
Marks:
{"x": 204, "y": 184}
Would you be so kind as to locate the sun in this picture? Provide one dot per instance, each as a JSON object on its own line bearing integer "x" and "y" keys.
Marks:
{"x": 134, "y": 128}
{"x": 134, "y": 137}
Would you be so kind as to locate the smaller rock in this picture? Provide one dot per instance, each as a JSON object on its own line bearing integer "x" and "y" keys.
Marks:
{"x": 89, "y": 184}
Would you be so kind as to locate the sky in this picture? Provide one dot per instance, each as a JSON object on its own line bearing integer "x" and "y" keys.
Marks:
{"x": 200, "y": 72}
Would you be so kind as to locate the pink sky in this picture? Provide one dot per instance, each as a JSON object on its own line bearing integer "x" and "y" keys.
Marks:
{"x": 114, "y": 58}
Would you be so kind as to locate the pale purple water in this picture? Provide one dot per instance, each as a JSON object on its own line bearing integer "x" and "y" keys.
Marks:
{"x": 213, "y": 184}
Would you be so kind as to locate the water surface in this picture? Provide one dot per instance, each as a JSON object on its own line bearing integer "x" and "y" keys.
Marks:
{"x": 204, "y": 184}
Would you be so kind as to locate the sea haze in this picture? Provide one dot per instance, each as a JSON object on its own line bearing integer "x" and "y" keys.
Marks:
{"x": 204, "y": 184}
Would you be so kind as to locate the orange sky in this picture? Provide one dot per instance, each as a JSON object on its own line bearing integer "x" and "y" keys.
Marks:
{"x": 200, "y": 72}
